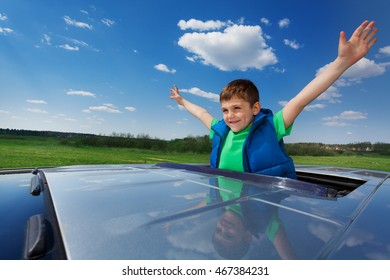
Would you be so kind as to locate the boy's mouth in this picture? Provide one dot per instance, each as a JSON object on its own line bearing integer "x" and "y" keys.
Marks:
{"x": 234, "y": 121}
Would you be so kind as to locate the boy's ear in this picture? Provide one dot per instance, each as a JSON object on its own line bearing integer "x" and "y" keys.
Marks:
{"x": 256, "y": 108}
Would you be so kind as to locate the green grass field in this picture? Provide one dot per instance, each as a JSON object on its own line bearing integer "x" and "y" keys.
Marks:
{"x": 374, "y": 162}
{"x": 16, "y": 152}
{"x": 45, "y": 151}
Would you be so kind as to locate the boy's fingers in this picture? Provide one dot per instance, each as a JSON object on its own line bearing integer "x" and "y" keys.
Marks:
{"x": 359, "y": 30}
{"x": 372, "y": 42}
{"x": 174, "y": 91}
{"x": 369, "y": 31}
{"x": 343, "y": 38}
{"x": 371, "y": 34}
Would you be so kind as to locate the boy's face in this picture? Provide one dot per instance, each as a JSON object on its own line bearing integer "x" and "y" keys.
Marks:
{"x": 238, "y": 113}
{"x": 230, "y": 228}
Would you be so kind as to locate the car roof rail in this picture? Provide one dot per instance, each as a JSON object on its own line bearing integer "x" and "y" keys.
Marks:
{"x": 36, "y": 185}
{"x": 37, "y": 231}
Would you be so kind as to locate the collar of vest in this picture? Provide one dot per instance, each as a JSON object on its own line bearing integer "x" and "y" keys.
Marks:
{"x": 261, "y": 117}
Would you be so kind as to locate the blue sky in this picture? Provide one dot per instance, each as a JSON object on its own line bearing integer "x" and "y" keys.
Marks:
{"x": 107, "y": 66}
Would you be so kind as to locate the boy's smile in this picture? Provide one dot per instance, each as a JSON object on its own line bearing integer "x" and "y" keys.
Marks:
{"x": 238, "y": 113}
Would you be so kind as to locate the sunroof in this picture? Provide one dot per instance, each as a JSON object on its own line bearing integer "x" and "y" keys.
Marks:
{"x": 342, "y": 185}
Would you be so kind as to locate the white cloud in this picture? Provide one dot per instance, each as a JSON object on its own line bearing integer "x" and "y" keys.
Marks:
{"x": 284, "y": 23}
{"x": 344, "y": 116}
{"x": 183, "y": 121}
{"x": 384, "y": 64}
{"x": 335, "y": 123}
{"x": 3, "y": 17}
{"x": 78, "y": 42}
{"x": 314, "y": 107}
{"x": 283, "y": 103}
{"x": 130, "y": 109}
{"x": 33, "y": 101}
{"x": 362, "y": 69}
{"x": 348, "y": 115}
{"x": 36, "y": 111}
{"x": 108, "y": 22}
{"x": 78, "y": 24}
{"x": 75, "y": 44}
{"x": 279, "y": 70}
{"x": 293, "y": 44}
{"x": 352, "y": 115}
{"x": 80, "y": 92}
{"x": 5, "y": 30}
{"x": 69, "y": 48}
{"x": 163, "y": 68}
{"x": 237, "y": 47}
{"x": 265, "y": 21}
{"x": 46, "y": 39}
{"x": 4, "y": 111}
{"x": 385, "y": 50}
{"x": 70, "y": 44}
{"x": 108, "y": 108}
{"x": 331, "y": 95}
{"x": 307, "y": 108}
{"x": 196, "y": 91}
{"x": 191, "y": 58}
{"x": 96, "y": 120}
{"x": 201, "y": 25}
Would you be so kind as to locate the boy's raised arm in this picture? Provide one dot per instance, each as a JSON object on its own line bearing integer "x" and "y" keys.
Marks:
{"x": 202, "y": 114}
{"x": 349, "y": 52}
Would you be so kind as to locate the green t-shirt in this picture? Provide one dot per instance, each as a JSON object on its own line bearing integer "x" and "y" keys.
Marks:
{"x": 231, "y": 154}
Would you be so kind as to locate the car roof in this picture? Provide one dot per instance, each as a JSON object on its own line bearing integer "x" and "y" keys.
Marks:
{"x": 171, "y": 211}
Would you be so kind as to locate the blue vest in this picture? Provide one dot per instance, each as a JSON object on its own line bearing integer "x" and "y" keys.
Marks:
{"x": 262, "y": 152}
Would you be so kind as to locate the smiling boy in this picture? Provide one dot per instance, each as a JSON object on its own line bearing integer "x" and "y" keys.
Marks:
{"x": 250, "y": 138}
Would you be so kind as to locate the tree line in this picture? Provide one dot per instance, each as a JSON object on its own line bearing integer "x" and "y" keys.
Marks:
{"x": 197, "y": 144}
{"x": 320, "y": 149}
{"x": 193, "y": 144}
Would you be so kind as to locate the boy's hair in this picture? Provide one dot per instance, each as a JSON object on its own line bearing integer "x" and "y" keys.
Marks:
{"x": 241, "y": 88}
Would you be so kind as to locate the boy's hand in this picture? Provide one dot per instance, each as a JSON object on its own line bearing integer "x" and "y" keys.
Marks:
{"x": 359, "y": 44}
{"x": 195, "y": 110}
{"x": 176, "y": 95}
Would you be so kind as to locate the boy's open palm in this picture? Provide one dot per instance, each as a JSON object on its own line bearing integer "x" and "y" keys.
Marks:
{"x": 359, "y": 44}
{"x": 195, "y": 110}
{"x": 176, "y": 95}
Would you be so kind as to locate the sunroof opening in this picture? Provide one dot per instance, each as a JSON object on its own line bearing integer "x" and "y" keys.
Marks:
{"x": 341, "y": 186}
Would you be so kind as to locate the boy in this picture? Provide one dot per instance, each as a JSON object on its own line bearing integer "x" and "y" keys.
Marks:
{"x": 249, "y": 138}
